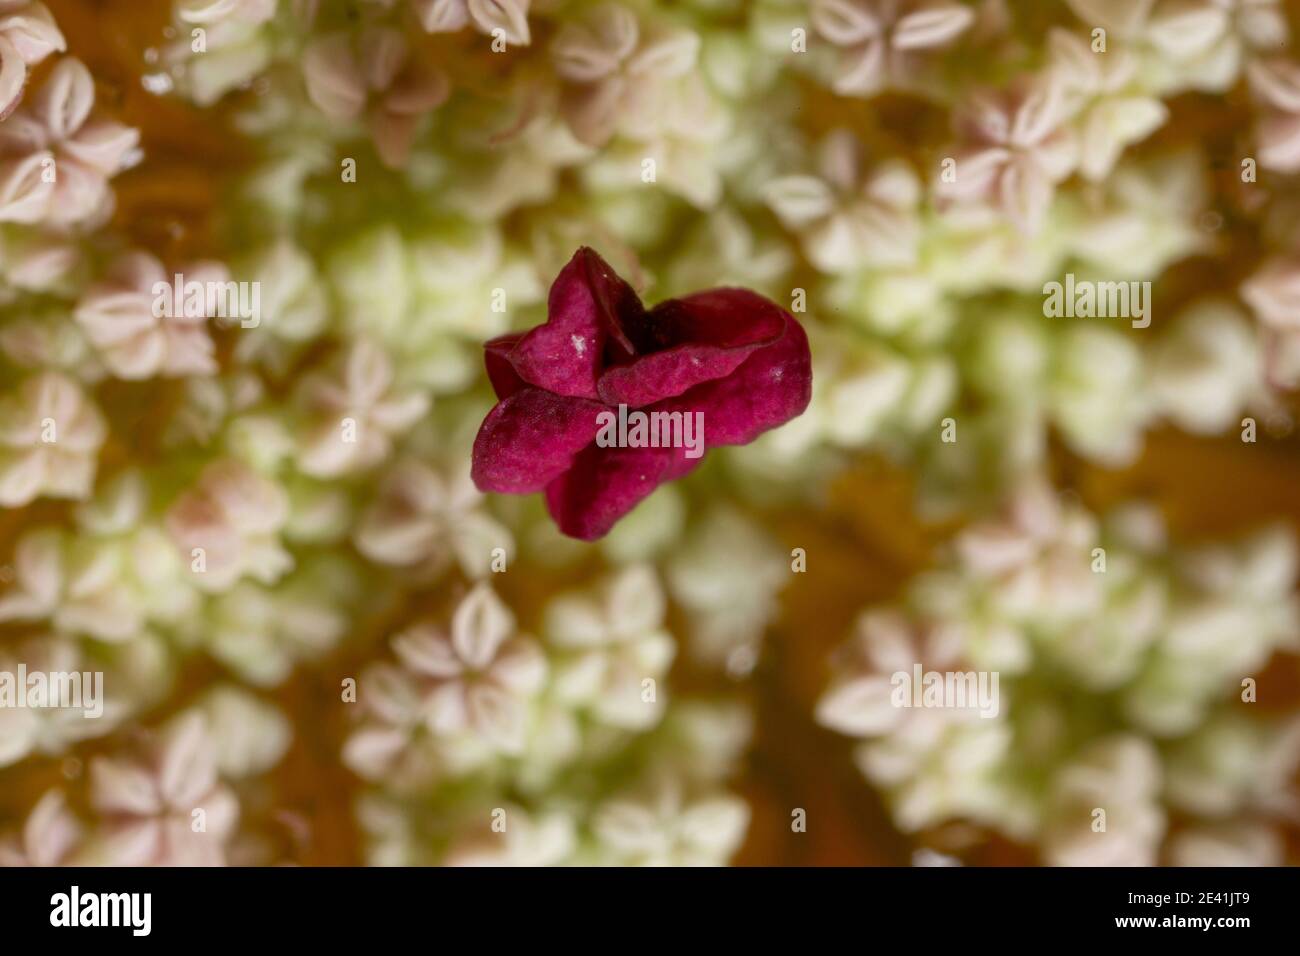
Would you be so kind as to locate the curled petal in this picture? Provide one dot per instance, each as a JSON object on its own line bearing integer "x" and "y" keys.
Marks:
{"x": 33, "y": 32}
{"x": 700, "y": 338}
{"x": 933, "y": 27}
{"x": 333, "y": 76}
{"x": 772, "y": 386}
{"x": 65, "y": 100}
{"x": 589, "y": 311}
{"x": 846, "y": 22}
{"x": 530, "y": 438}
{"x": 509, "y": 16}
{"x": 604, "y": 484}
{"x": 24, "y": 190}
{"x": 13, "y": 74}
{"x": 442, "y": 16}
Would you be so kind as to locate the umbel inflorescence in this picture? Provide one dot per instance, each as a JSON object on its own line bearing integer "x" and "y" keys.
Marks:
{"x": 237, "y": 483}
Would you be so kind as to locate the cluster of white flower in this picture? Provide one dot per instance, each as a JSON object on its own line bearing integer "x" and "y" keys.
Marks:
{"x": 1123, "y": 664}
{"x": 906, "y": 176}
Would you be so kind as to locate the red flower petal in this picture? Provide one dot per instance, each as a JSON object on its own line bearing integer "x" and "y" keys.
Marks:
{"x": 692, "y": 340}
{"x": 606, "y": 483}
{"x": 587, "y": 310}
{"x": 530, "y": 438}
{"x": 501, "y": 373}
{"x": 771, "y": 387}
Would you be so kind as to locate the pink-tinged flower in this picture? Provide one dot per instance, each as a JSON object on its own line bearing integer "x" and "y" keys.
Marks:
{"x": 374, "y": 76}
{"x": 122, "y": 320}
{"x": 50, "y": 435}
{"x": 881, "y": 39}
{"x": 620, "y": 78}
{"x": 737, "y": 359}
{"x": 1274, "y": 294}
{"x": 1017, "y": 148}
{"x": 28, "y": 34}
{"x": 48, "y": 838}
{"x": 448, "y": 16}
{"x": 150, "y": 806}
{"x": 228, "y": 525}
{"x": 356, "y": 413}
{"x": 1277, "y": 84}
{"x": 55, "y": 160}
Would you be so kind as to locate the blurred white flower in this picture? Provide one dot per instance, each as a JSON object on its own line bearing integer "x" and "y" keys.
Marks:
{"x": 1277, "y": 133}
{"x": 28, "y": 34}
{"x": 1120, "y": 777}
{"x": 50, "y": 436}
{"x": 48, "y": 837}
{"x": 119, "y": 318}
{"x": 227, "y": 526}
{"x": 479, "y": 677}
{"x": 1110, "y": 110}
{"x": 356, "y": 413}
{"x": 663, "y": 827}
{"x": 487, "y": 16}
{"x": 419, "y": 519}
{"x": 609, "y": 643}
{"x": 619, "y": 77}
{"x": 1016, "y": 146}
{"x": 55, "y": 159}
{"x": 846, "y": 217}
{"x": 546, "y": 838}
{"x": 883, "y": 39}
{"x": 374, "y": 76}
{"x": 149, "y": 808}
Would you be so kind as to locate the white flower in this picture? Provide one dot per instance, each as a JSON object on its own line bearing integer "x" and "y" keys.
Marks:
{"x": 77, "y": 585}
{"x": 227, "y": 526}
{"x": 53, "y": 728}
{"x": 374, "y": 76}
{"x": 261, "y": 633}
{"x": 882, "y": 39}
{"x": 1274, "y": 293}
{"x": 609, "y": 645}
{"x": 861, "y": 703}
{"x": 478, "y": 678}
{"x": 249, "y": 736}
{"x": 1017, "y": 147}
{"x": 849, "y": 219}
{"x": 1120, "y": 776}
{"x": 664, "y": 828}
{"x": 1110, "y": 111}
{"x": 50, "y": 436}
{"x": 488, "y": 16}
{"x": 150, "y": 808}
{"x": 121, "y": 317}
{"x": 619, "y": 79}
{"x": 55, "y": 160}
{"x": 1196, "y": 43}
{"x": 1207, "y": 369}
{"x": 529, "y": 839}
{"x": 28, "y": 34}
{"x": 726, "y": 578}
{"x": 1277, "y": 83}
{"x": 48, "y": 838}
{"x": 356, "y": 413}
{"x": 422, "y": 520}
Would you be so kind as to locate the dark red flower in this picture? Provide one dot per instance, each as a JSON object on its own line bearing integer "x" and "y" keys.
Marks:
{"x": 731, "y": 355}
